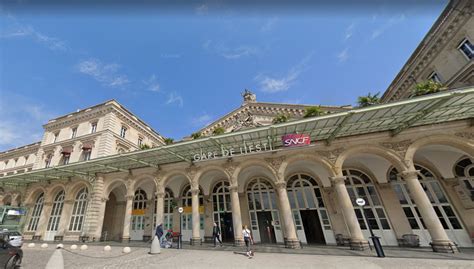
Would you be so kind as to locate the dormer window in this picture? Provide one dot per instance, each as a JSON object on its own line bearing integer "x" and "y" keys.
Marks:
{"x": 467, "y": 49}
{"x": 123, "y": 131}
{"x": 140, "y": 141}
{"x": 74, "y": 132}
{"x": 435, "y": 77}
{"x": 93, "y": 127}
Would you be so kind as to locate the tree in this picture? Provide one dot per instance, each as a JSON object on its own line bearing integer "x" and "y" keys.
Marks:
{"x": 313, "y": 111}
{"x": 218, "y": 131}
{"x": 169, "y": 141}
{"x": 280, "y": 119}
{"x": 368, "y": 100}
{"x": 196, "y": 135}
{"x": 145, "y": 146}
{"x": 427, "y": 87}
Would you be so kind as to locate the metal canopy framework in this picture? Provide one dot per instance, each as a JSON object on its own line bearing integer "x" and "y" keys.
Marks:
{"x": 393, "y": 117}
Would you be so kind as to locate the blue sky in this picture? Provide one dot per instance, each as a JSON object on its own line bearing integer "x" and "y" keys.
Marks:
{"x": 180, "y": 69}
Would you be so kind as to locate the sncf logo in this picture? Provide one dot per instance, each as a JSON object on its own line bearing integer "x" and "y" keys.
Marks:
{"x": 292, "y": 140}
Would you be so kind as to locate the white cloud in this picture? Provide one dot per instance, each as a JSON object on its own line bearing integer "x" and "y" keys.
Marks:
{"x": 174, "y": 97}
{"x": 17, "y": 30}
{"x": 202, "y": 121}
{"x": 349, "y": 31}
{"x": 269, "y": 24}
{"x": 152, "y": 84}
{"x": 384, "y": 27}
{"x": 343, "y": 55}
{"x": 106, "y": 74}
{"x": 283, "y": 83}
{"x": 230, "y": 53}
{"x": 202, "y": 9}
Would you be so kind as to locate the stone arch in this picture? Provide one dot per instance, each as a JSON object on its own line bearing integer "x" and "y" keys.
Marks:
{"x": 207, "y": 184}
{"x": 268, "y": 173}
{"x": 384, "y": 153}
{"x": 73, "y": 189}
{"x": 53, "y": 191}
{"x": 33, "y": 194}
{"x": 7, "y": 198}
{"x": 139, "y": 180}
{"x": 312, "y": 159}
{"x": 447, "y": 140}
{"x": 114, "y": 183}
{"x": 168, "y": 176}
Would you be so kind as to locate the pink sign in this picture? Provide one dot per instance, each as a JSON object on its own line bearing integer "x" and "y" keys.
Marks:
{"x": 295, "y": 140}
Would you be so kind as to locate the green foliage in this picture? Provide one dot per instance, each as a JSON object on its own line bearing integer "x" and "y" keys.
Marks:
{"x": 368, "y": 100}
{"x": 218, "y": 131}
{"x": 196, "y": 135}
{"x": 169, "y": 141}
{"x": 145, "y": 146}
{"x": 280, "y": 119}
{"x": 313, "y": 111}
{"x": 427, "y": 87}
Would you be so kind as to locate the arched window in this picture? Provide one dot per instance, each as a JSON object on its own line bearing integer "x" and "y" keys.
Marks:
{"x": 221, "y": 197}
{"x": 186, "y": 202}
{"x": 56, "y": 211}
{"x": 464, "y": 170}
{"x": 434, "y": 192}
{"x": 36, "y": 214}
{"x": 79, "y": 211}
{"x": 359, "y": 185}
{"x": 138, "y": 214}
{"x": 261, "y": 197}
{"x": 305, "y": 194}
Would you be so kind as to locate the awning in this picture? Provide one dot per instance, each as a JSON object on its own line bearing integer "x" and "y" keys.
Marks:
{"x": 87, "y": 146}
{"x": 392, "y": 117}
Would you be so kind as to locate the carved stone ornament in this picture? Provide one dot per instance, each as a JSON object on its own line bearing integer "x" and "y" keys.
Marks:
{"x": 331, "y": 155}
{"x": 242, "y": 120}
{"x": 230, "y": 168}
{"x": 275, "y": 163}
{"x": 400, "y": 147}
{"x": 467, "y": 135}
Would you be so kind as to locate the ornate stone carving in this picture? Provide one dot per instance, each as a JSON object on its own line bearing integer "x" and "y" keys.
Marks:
{"x": 331, "y": 155}
{"x": 230, "y": 168}
{"x": 275, "y": 163}
{"x": 242, "y": 120}
{"x": 338, "y": 180}
{"x": 467, "y": 135}
{"x": 280, "y": 185}
{"x": 191, "y": 172}
{"x": 400, "y": 147}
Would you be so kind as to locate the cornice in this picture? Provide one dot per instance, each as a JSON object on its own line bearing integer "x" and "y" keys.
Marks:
{"x": 73, "y": 119}
{"x": 19, "y": 152}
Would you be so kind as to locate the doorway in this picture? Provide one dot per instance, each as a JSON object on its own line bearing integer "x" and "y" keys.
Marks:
{"x": 267, "y": 232}
{"x": 312, "y": 227}
{"x": 226, "y": 225}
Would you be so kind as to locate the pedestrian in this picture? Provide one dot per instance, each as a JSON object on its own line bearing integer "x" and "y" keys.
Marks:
{"x": 216, "y": 232}
{"x": 248, "y": 240}
{"x": 159, "y": 232}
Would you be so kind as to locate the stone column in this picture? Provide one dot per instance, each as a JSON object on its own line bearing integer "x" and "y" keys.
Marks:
{"x": 236, "y": 216}
{"x": 14, "y": 199}
{"x": 440, "y": 240}
{"x": 95, "y": 210}
{"x": 285, "y": 213}
{"x": 65, "y": 217}
{"x": 127, "y": 219}
{"x": 358, "y": 242}
{"x": 44, "y": 218}
{"x": 1, "y": 200}
{"x": 196, "y": 238}
{"x": 160, "y": 208}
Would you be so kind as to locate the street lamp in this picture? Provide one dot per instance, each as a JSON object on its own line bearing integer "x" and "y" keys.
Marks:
{"x": 180, "y": 210}
{"x": 375, "y": 239}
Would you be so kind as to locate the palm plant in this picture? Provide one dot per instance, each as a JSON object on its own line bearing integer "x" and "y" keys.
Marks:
{"x": 313, "y": 111}
{"x": 368, "y": 100}
{"x": 145, "y": 146}
{"x": 218, "y": 131}
{"x": 280, "y": 119}
{"x": 196, "y": 135}
{"x": 169, "y": 141}
{"x": 427, "y": 87}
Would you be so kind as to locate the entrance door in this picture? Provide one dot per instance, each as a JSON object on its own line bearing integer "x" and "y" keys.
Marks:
{"x": 265, "y": 227}
{"x": 312, "y": 227}
{"x": 137, "y": 228}
{"x": 227, "y": 229}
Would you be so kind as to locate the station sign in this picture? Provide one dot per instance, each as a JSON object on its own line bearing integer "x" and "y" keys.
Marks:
{"x": 295, "y": 140}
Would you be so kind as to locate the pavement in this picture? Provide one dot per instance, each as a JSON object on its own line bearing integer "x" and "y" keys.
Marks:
{"x": 266, "y": 256}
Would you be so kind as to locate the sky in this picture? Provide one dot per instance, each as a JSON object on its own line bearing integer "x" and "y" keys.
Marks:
{"x": 179, "y": 68}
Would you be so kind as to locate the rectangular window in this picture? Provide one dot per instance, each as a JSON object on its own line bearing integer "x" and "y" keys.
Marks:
{"x": 435, "y": 77}
{"x": 140, "y": 141}
{"x": 123, "y": 132}
{"x": 66, "y": 159}
{"x": 87, "y": 155}
{"x": 55, "y": 137}
{"x": 93, "y": 127}
{"x": 47, "y": 163}
{"x": 74, "y": 132}
{"x": 467, "y": 49}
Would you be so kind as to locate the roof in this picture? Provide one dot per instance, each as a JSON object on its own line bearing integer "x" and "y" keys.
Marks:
{"x": 394, "y": 117}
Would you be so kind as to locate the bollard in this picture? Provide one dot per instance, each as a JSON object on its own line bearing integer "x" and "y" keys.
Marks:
{"x": 31, "y": 245}
{"x": 44, "y": 245}
{"x": 84, "y": 247}
{"x": 107, "y": 248}
{"x": 73, "y": 247}
{"x": 155, "y": 246}
{"x": 126, "y": 250}
{"x": 60, "y": 246}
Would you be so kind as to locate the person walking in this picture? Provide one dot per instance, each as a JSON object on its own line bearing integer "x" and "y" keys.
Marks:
{"x": 216, "y": 232}
{"x": 159, "y": 232}
{"x": 248, "y": 240}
